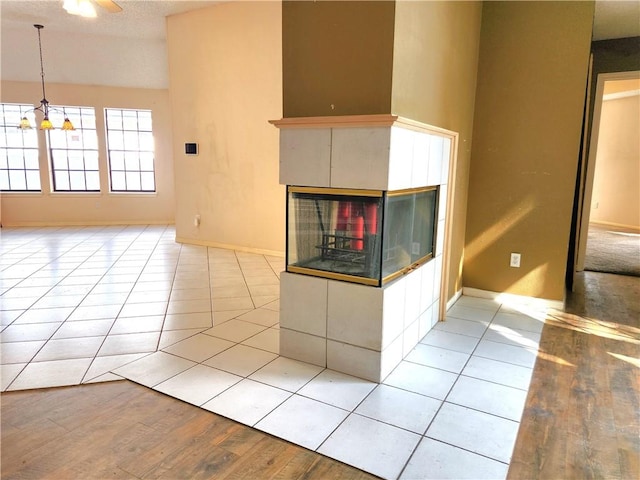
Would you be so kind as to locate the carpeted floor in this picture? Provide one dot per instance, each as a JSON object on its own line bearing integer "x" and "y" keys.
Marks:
{"x": 612, "y": 251}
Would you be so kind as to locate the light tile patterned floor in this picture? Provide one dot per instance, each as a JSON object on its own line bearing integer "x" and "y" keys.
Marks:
{"x": 89, "y": 304}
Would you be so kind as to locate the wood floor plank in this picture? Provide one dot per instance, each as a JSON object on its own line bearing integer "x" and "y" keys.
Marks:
{"x": 582, "y": 415}
{"x": 121, "y": 430}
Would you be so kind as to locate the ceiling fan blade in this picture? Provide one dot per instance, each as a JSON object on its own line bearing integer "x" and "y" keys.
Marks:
{"x": 109, "y": 5}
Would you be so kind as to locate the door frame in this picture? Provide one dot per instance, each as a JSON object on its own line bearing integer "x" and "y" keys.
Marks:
{"x": 589, "y": 164}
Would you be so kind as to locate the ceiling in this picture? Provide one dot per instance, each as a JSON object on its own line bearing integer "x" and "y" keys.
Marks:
{"x": 146, "y": 19}
{"x": 138, "y": 19}
{"x": 98, "y": 51}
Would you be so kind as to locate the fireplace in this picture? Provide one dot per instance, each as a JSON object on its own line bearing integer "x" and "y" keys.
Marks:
{"x": 365, "y": 238}
{"x": 369, "y": 237}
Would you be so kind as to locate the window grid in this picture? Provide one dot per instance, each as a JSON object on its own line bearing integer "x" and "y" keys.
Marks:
{"x": 19, "y": 165}
{"x": 74, "y": 154}
{"x": 130, "y": 148}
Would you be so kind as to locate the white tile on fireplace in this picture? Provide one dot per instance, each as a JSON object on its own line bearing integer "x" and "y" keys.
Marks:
{"x": 437, "y": 460}
{"x": 424, "y": 323}
{"x": 413, "y": 291}
{"x": 198, "y": 384}
{"x": 303, "y": 421}
{"x": 286, "y": 374}
{"x": 393, "y": 317}
{"x": 358, "y": 150}
{"x": 410, "y": 337}
{"x": 420, "y": 159}
{"x": 434, "y": 175}
{"x": 482, "y": 395}
{"x": 436, "y": 357}
{"x": 303, "y": 347}
{"x": 303, "y": 303}
{"x": 355, "y": 312}
{"x": 400, "y": 158}
{"x": 247, "y": 401}
{"x": 305, "y": 156}
{"x": 475, "y": 431}
{"x": 421, "y": 379}
{"x": 499, "y": 372}
{"x": 356, "y": 361}
{"x": 426, "y": 295}
{"x": 442, "y": 202}
{"x": 372, "y": 446}
{"x": 400, "y": 408}
{"x": 337, "y": 389}
{"x": 391, "y": 356}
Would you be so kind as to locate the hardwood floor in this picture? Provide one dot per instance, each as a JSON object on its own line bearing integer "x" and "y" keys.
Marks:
{"x": 582, "y": 416}
{"x": 123, "y": 430}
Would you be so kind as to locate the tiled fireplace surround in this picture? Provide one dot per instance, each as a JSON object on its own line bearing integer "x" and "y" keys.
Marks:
{"x": 357, "y": 329}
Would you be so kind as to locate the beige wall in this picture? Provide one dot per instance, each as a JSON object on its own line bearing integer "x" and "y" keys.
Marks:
{"x": 50, "y": 208}
{"x": 616, "y": 184}
{"x": 225, "y": 80}
{"x": 529, "y": 105}
{"x": 434, "y": 81}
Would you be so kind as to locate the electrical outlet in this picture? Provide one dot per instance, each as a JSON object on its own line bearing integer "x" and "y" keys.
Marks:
{"x": 196, "y": 221}
{"x": 515, "y": 260}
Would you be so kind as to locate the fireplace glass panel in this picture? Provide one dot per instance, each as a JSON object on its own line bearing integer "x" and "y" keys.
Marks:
{"x": 362, "y": 236}
{"x": 409, "y": 229}
{"x": 336, "y": 234}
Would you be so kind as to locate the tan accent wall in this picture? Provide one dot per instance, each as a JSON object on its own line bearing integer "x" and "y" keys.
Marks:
{"x": 529, "y": 105}
{"x": 225, "y": 83}
{"x": 616, "y": 184}
{"x": 51, "y": 208}
{"x": 434, "y": 81}
{"x": 337, "y": 57}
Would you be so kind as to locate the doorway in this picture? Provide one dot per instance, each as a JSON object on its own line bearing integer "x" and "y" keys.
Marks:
{"x": 609, "y": 229}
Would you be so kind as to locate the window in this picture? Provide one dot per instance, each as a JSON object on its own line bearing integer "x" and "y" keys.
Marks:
{"x": 74, "y": 154}
{"x": 130, "y": 148}
{"x": 19, "y": 169}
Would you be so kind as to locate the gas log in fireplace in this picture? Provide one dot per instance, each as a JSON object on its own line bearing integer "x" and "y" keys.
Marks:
{"x": 362, "y": 236}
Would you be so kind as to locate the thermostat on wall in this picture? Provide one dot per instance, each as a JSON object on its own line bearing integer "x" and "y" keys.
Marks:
{"x": 191, "y": 148}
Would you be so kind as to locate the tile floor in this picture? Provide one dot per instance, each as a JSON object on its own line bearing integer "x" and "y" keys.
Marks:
{"x": 91, "y": 304}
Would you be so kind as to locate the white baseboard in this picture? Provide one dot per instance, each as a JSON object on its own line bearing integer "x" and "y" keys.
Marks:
{"x": 541, "y": 303}
{"x": 239, "y": 248}
{"x": 86, "y": 223}
{"x": 633, "y": 228}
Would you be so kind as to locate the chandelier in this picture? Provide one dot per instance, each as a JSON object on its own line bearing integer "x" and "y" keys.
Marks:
{"x": 44, "y": 107}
